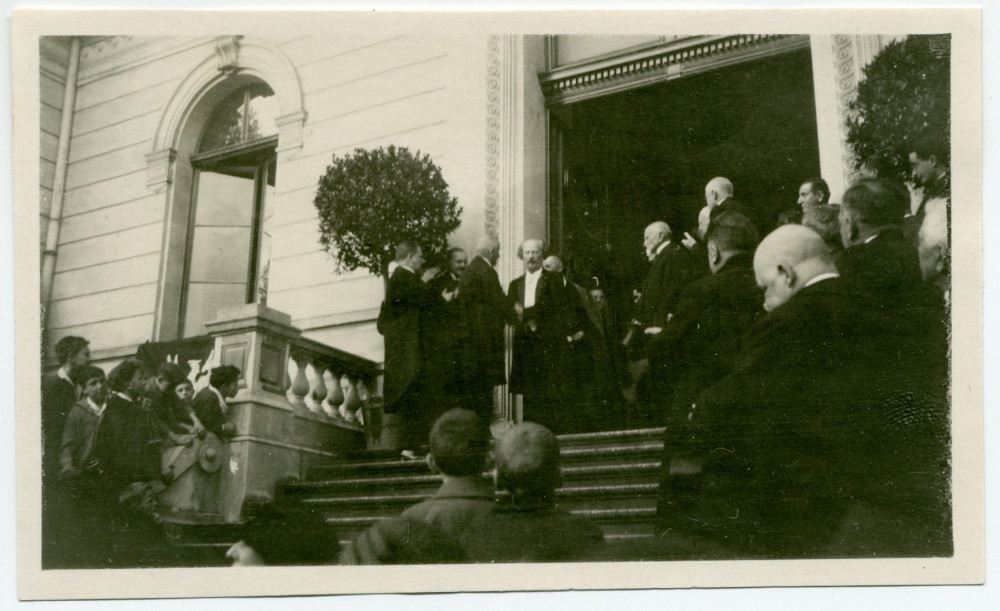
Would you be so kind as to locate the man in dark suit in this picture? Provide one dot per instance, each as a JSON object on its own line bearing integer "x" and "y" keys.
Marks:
{"x": 699, "y": 345}
{"x": 543, "y": 331}
{"x": 484, "y": 309}
{"x": 210, "y": 405}
{"x": 879, "y": 263}
{"x": 444, "y": 331}
{"x": 719, "y": 198}
{"x": 59, "y": 393}
{"x": 773, "y": 490}
{"x": 672, "y": 269}
{"x": 400, "y": 321}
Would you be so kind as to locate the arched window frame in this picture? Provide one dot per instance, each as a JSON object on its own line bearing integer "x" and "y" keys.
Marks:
{"x": 233, "y": 64}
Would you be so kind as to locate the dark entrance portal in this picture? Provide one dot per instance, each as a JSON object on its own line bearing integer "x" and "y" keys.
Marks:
{"x": 630, "y": 158}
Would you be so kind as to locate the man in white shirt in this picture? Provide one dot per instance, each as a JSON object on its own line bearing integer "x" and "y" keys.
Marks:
{"x": 543, "y": 322}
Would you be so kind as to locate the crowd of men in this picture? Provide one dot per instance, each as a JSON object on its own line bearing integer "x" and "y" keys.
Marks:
{"x": 802, "y": 381}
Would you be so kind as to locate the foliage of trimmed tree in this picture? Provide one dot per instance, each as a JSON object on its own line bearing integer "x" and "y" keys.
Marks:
{"x": 905, "y": 96}
{"x": 370, "y": 200}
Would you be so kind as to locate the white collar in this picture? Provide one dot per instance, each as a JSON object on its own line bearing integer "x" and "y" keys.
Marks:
{"x": 870, "y": 238}
{"x": 820, "y": 278}
{"x": 407, "y": 268}
{"x": 97, "y": 409}
{"x": 124, "y": 396}
{"x": 534, "y": 274}
{"x": 660, "y": 248}
{"x": 485, "y": 259}
{"x": 62, "y": 374}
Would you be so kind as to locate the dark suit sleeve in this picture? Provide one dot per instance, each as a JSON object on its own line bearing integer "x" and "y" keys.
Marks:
{"x": 206, "y": 406}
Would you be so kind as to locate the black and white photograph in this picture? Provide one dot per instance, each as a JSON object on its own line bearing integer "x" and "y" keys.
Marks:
{"x": 505, "y": 301}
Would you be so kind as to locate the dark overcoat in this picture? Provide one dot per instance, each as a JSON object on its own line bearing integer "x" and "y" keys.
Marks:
{"x": 484, "y": 309}
{"x": 400, "y": 323}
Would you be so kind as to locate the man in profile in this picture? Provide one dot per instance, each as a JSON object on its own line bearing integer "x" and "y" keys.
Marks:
{"x": 525, "y": 525}
{"x": 484, "y": 309}
{"x": 719, "y": 198}
{"x": 401, "y": 322}
{"x": 813, "y": 192}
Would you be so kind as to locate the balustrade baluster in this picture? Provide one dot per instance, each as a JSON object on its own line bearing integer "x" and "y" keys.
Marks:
{"x": 317, "y": 387}
{"x": 351, "y": 401}
{"x": 300, "y": 383}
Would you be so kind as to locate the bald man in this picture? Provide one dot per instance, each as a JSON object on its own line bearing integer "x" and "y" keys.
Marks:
{"x": 525, "y": 525}
{"x": 544, "y": 324}
{"x": 766, "y": 436}
{"x": 719, "y": 198}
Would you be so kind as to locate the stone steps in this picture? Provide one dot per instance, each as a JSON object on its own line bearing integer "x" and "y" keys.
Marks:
{"x": 610, "y": 477}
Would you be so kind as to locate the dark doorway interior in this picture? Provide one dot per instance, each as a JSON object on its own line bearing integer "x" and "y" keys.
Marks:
{"x": 631, "y": 158}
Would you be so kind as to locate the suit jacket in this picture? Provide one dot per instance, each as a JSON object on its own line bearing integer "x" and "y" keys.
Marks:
{"x": 58, "y": 397}
{"x": 699, "y": 345}
{"x": 518, "y": 533}
{"x": 538, "y": 355}
{"x": 775, "y": 434}
{"x": 728, "y": 205}
{"x": 443, "y": 335}
{"x": 883, "y": 271}
{"x": 484, "y": 309}
{"x": 672, "y": 270}
{"x": 455, "y": 505}
{"x": 206, "y": 406}
{"x": 400, "y": 321}
{"x": 128, "y": 441}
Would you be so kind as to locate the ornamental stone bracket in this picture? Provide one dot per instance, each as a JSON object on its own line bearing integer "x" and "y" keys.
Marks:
{"x": 227, "y": 50}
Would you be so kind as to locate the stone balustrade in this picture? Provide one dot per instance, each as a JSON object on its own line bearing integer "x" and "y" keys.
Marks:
{"x": 299, "y": 403}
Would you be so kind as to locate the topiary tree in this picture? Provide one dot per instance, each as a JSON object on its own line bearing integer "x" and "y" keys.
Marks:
{"x": 905, "y": 96}
{"x": 370, "y": 200}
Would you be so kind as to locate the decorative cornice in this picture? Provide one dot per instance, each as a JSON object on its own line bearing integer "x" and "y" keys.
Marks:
{"x": 493, "y": 133}
{"x": 663, "y": 62}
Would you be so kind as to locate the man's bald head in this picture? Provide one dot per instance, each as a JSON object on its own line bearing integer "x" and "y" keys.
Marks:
{"x": 655, "y": 234}
{"x": 552, "y": 263}
{"x": 788, "y": 258}
{"x": 718, "y": 189}
{"x": 527, "y": 462}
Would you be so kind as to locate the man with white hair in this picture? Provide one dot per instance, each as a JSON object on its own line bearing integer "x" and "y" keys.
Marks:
{"x": 484, "y": 308}
{"x": 544, "y": 325}
{"x": 672, "y": 269}
{"x": 719, "y": 198}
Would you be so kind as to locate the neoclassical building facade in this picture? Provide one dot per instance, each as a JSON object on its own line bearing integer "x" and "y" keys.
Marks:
{"x": 177, "y": 174}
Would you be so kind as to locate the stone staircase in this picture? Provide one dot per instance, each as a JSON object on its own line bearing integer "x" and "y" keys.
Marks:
{"x": 610, "y": 477}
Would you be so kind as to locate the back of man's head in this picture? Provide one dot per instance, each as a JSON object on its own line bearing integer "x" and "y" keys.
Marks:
{"x": 824, "y": 220}
{"x": 932, "y": 240}
{"x": 87, "y": 373}
{"x": 877, "y": 202}
{"x": 459, "y": 443}
{"x": 405, "y": 249}
{"x": 67, "y": 347}
{"x": 123, "y": 373}
{"x": 224, "y": 374}
{"x": 732, "y": 232}
{"x": 527, "y": 462}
